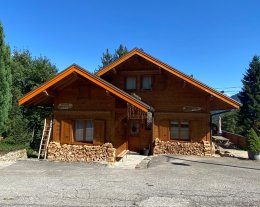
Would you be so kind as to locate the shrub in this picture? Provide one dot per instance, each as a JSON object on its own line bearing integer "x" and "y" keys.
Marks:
{"x": 253, "y": 141}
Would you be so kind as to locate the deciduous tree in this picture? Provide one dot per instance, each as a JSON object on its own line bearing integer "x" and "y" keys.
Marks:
{"x": 28, "y": 73}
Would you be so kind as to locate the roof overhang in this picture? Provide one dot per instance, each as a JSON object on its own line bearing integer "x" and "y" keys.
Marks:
{"x": 173, "y": 71}
{"x": 42, "y": 93}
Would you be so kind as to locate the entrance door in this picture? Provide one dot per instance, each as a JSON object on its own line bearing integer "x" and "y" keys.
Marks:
{"x": 134, "y": 132}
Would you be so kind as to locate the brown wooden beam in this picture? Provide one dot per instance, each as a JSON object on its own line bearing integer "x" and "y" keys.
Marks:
{"x": 140, "y": 72}
{"x": 49, "y": 93}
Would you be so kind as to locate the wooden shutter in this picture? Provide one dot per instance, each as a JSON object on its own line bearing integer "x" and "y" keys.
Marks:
{"x": 99, "y": 132}
{"x": 164, "y": 130}
{"x": 66, "y": 131}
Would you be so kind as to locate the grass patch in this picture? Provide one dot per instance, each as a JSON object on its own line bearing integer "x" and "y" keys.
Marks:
{"x": 7, "y": 147}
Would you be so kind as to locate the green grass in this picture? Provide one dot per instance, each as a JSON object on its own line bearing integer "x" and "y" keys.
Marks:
{"x": 7, "y": 147}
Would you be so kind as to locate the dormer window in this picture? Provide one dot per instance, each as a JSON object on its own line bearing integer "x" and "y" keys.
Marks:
{"x": 131, "y": 83}
{"x": 147, "y": 82}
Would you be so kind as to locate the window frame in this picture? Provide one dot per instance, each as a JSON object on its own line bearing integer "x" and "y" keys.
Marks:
{"x": 84, "y": 141}
{"x": 132, "y": 89}
{"x": 179, "y": 132}
{"x": 142, "y": 83}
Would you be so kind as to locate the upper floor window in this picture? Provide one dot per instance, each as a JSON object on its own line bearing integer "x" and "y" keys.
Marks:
{"x": 147, "y": 82}
{"x": 130, "y": 83}
{"x": 180, "y": 130}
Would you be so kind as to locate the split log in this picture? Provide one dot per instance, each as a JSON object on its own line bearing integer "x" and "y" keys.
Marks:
{"x": 82, "y": 153}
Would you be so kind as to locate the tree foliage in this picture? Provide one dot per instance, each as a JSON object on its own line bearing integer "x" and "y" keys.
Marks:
{"x": 119, "y": 52}
{"x": 28, "y": 73}
{"x": 230, "y": 122}
{"x": 5, "y": 83}
{"x": 249, "y": 115}
{"x": 108, "y": 58}
{"x": 253, "y": 141}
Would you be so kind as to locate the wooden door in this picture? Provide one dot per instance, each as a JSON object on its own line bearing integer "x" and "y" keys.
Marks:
{"x": 134, "y": 135}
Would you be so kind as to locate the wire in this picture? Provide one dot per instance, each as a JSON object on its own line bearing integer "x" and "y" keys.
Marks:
{"x": 229, "y": 87}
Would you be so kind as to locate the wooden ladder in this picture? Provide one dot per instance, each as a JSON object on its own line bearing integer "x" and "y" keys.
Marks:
{"x": 46, "y": 134}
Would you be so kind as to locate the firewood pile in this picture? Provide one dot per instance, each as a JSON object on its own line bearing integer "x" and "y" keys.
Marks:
{"x": 207, "y": 148}
{"x": 178, "y": 148}
{"x": 82, "y": 153}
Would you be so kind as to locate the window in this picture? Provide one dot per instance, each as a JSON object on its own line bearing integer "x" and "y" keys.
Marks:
{"x": 179, "y": 130}
{"x": 147, "y": 82}
{"x": 84, "y": 130}
{"x": 184, "y": 130}
{"x": 174, "y": 130}
{"x": 130, "y": 83}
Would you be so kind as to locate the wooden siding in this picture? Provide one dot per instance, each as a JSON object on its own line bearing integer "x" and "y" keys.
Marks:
{"x": 168, "y": 96}
{"x": 168, "y": 92}
{"x": 198, "y": 125}
{"x": 108, "y": 113}
{"x": 139, "y": 57}
{"x": 85, "y": 99}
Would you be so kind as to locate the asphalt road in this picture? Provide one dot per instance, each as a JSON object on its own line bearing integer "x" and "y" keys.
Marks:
{"x": 168, "y": 181}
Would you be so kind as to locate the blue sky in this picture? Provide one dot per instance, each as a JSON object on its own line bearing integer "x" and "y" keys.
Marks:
{"x": 213, "y": 40}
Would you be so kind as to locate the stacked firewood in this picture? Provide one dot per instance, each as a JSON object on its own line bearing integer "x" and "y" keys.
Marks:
{"x": 207, "y": 148}
{"x": 178, "y": 148}
{"x": 82, "y": 153}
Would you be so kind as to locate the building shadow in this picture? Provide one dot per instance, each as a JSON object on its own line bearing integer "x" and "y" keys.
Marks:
{"x": 206, "y": 163}
{"x": 182, "y": 164}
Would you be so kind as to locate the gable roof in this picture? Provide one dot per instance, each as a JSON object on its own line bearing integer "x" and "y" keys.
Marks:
{"x": 91, "y": 77}
{"x": 172, "y": 71}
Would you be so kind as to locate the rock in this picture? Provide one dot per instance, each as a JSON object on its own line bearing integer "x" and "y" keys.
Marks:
{"x": 13, "y": 156}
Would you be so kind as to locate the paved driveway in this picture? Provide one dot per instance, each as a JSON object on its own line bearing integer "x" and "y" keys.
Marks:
{"x": 169, "y": 181}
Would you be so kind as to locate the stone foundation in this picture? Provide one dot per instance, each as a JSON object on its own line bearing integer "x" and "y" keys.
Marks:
{"x": 81, "y": 153}
{"x": 13, "y": 156}
{"x": 178, "y": 148}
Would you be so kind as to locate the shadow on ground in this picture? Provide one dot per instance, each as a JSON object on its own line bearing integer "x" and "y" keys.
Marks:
{"x": 170, "y": 158}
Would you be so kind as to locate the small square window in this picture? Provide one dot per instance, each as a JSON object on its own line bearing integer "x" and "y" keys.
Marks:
{"x": 147, "y": 82}
{"x": 130, "y": 83}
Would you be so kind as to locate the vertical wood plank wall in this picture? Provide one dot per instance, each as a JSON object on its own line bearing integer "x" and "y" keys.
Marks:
{"x": 90, "y": 102}
{"x": 168, "y": 97}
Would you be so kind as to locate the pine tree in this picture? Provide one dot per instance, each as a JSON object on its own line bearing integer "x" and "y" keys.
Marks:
{"x": 108, "y": 58}
{"x": 249, "y": 115}
{"x": 122, "y": 50}
{"x": 5, "y": 83}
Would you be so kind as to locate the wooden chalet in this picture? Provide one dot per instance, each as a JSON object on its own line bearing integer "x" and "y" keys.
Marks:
{"x": 129, "y": 103}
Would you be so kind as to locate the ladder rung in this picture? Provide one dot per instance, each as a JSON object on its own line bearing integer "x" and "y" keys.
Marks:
{"x": 45, "y": 138}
